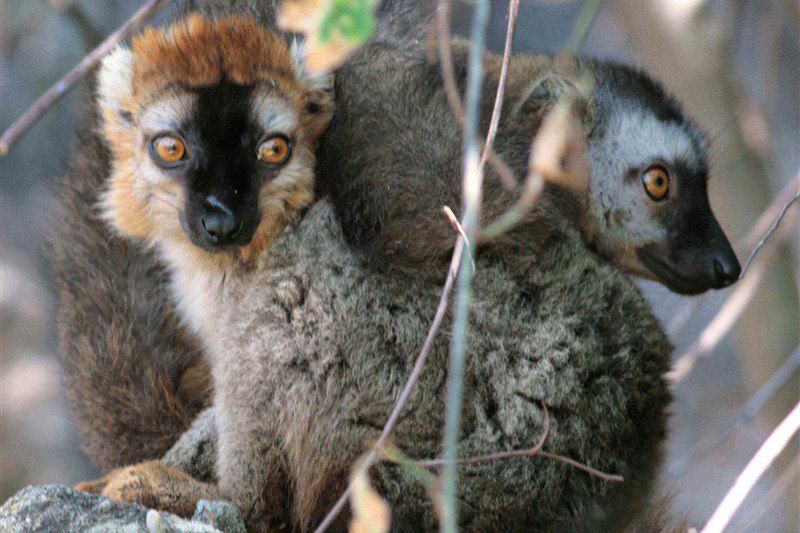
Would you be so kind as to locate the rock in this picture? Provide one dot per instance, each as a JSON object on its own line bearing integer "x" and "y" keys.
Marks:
{"x": 221, "y": 515}
{"x": 60, "y": 508}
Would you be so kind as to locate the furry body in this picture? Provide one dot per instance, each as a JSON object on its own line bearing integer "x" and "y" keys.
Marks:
{"x": 317, "y": 349}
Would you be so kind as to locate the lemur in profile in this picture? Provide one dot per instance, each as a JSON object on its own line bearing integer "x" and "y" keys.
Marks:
{"x": 533, "y": 285}
{"x": 646, "y": 209}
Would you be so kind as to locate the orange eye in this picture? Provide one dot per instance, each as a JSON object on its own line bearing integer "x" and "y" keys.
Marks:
{"x": 275, "y": 150}
{"x": 656, "y": 182}
{"x": 168, "y": 149}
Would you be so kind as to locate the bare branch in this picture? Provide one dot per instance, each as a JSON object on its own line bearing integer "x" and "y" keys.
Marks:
{"x": 613, "y": 478}
{"x": 410, "y": 384}
{"x": 513, "y": 10}
{"x": 775, "y": 494}
{"x": 762, "y": 225}
{"x": 472, "y": 188}
{"x": 768, "y": 216}
{"x": 445, "y": 47}
{"x": 764, "y": 457}
{"x": 73, "y": 10}
{"x": 530, "y": 452}
{"x": 745, "y": 414}
{"x": 57, "y": 91}
{"x": 770, "y": 232}
{"x": 586, "y": 18}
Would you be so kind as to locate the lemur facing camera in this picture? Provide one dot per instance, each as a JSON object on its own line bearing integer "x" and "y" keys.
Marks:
{"x": 212, "y": 152}
{"x": 211, "y": 126}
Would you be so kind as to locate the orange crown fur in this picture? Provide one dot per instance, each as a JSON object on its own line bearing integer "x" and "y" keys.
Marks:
{"x": 241, "y": 50}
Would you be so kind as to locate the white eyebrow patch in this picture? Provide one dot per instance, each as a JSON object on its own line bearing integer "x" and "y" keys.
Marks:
{"x": 274, "y": 113}
{"x": 647, "y": 139}
{"x": 168, "y": 112}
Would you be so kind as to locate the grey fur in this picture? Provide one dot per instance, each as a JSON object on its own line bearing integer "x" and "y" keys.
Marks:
{"x": 313, "y": 350}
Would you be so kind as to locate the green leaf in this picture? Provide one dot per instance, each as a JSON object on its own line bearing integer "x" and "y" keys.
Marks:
{"x": 352, "y": 19}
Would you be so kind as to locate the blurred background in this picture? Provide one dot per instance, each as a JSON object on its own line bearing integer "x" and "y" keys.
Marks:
{"x": 735, "y": 65}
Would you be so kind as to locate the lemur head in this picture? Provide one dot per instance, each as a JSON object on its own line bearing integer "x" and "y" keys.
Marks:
{"x": 646, "y": 208}
{"x": 212, "y": 127}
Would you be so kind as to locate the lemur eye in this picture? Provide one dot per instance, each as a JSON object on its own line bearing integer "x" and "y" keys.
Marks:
{"x": 168, "y": 149}
{"x": 656, "y": 182}
{"x": 275, "y": 150}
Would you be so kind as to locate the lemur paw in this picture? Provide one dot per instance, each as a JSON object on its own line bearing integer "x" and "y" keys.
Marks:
{"x": 153, "y": 485}
{"x": 92, "y": 487}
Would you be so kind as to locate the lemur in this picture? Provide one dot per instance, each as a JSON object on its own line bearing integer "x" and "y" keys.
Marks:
{"x": 172, "y": 390}
{"x": 211, "y": 127}
{"x": 646, "y": 209}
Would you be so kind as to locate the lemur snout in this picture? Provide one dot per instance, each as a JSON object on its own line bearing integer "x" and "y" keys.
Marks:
{"x": 726, "y": 269}
{"x": 220, "y": 225}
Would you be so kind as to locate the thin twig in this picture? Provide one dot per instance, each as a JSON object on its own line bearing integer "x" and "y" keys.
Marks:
{"x": 57, "y": 91}
{"x": 460, "y": 229}
{"x": 763, "y": 458}
{"x": 768, "y": 216}
{"x": 613, "y": 478}
{"x": 769, "y": 233}
{"x": 74, "y": 11}
{"x": 530, "y": 452}
{"x": 749, "y": 242}
{"x": 410, "y": 384}
{"x": 745, "y": 414}
{"x": 513, "y": 10}
{"x": 581, "y": 29}
{"x": 471, "y": 198}
{"x": 445, "y": 48}
{"x": 775, "y": 494}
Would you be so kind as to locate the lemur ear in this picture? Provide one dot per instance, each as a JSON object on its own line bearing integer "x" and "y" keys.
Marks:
{"x": 115, "y": 90}
{"x": 316, "y": 81}
{"x": 542, "y": 94}
{"x": 545, "y": 92}
{"x": 319, "y": 98}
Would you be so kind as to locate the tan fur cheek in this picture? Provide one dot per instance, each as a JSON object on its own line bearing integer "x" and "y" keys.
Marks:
{"x": 124, "y": 209}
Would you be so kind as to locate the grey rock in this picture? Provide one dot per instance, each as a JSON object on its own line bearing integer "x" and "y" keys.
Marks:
{"x": 60, "y": 508}
{"x": 221, "y": 515}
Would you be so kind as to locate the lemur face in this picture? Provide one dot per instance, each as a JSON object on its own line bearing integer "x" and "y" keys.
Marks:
{"x": 212, "y": 129}
{"x": 648, "y": 201}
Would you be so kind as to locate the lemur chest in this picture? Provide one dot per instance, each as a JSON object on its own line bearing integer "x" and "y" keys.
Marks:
{"x": 196, "y": 287}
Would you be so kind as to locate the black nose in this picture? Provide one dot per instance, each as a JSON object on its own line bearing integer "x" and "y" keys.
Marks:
{"x": 218, "y": 221}
{"x": 725, "y": 268}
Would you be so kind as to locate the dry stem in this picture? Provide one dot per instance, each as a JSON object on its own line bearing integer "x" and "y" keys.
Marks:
{"x": 411, "y": 383}
{"x": 57, "y": 91}
{"x": 764, "y": 457}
